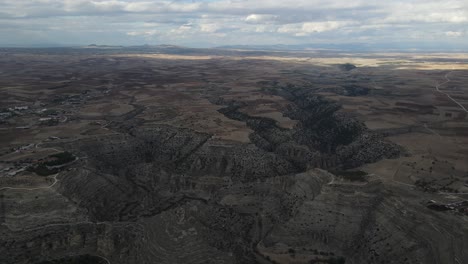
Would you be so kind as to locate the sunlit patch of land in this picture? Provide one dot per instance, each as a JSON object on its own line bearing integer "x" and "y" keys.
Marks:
{"x": 401, "y": 61}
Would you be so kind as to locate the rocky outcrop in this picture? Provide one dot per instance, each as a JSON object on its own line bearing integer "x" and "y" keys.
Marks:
{"x": 150, "y": 171}
{"x": 170, "y": 195}
{"x": 64, "y": 240}
{"x": 323, "y": 137}
{"x": 367, "y": 223}
{"x": 304, "y": 217}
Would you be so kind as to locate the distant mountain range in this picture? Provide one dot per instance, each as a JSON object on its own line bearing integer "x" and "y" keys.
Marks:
{"x": 259, "y": 49}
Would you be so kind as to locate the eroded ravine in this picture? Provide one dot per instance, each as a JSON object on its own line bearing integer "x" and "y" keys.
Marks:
{"x": 158, "y": 193}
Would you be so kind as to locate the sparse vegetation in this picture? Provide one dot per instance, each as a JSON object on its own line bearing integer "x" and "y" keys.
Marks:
{"x": 83, "y": 259}
{"x": 42, "y": 170}
{"x": 333, "y": 260}
{"x": 48, "y": 112}
{"x": 60, "y": 159}
{"x": 355, "y": 90}
{"x": 352, "y": 175}
{"x": 46, "y": 168}
{"x": 191, "y": 144}
{"x": 338, "y": 260}
{"x": 347, "y": 66}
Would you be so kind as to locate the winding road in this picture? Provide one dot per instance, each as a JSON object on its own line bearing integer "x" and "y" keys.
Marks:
{"x": 437, "y": 87}
{"x": 32, "y": 189}
{"x": 108, "y": 262}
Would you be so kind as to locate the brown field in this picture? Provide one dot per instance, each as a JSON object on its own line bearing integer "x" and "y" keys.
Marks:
{"x": 176, "y": 89}
{"x": 50, "y": 103}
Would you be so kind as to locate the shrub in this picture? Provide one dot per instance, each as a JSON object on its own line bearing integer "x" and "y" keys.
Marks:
{"x": 352, "y": 175}
{"x": 61, "y": 158}
{"x": 338, "y": 260}
{"x": 42, "y": 170}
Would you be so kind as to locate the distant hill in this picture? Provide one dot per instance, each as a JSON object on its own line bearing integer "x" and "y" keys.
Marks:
{"x": 300, "y": 47}
{"x": 354, "y": 47}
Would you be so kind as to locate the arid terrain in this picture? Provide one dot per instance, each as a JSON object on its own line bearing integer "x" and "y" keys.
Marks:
{"x": 172, "y": 155}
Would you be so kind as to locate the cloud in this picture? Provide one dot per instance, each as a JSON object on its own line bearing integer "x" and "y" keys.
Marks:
{"x": 183, "y": 29}
{"x": 260, "y": 19}
{"x": 210, "y": 28}
{"x": 234, "y": 21}
{"x": 142, "y": 33}
{"x": 455, "y": 34}
{"x": 308, "y": 28}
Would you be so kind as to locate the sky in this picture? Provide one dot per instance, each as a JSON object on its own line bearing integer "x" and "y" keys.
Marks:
{"x": 209, "y": 23}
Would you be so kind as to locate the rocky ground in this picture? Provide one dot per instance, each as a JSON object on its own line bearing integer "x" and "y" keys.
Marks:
{"x": 164, "y": 176}
{"x": 167, "y": 195}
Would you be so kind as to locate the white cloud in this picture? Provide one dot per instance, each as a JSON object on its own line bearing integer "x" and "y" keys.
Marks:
{"x": 308, "y": 28}
{"x": 455, "y": 34}
{"x": 258, "y": 19}
{"x": 209, "y": 28}
{"x": 142, "y": 33}
{"x": 264, "y": 28}
{"x": 183, "y": 29}
{"x": 312, "y": 27}
{"x": 233, "y": 20}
